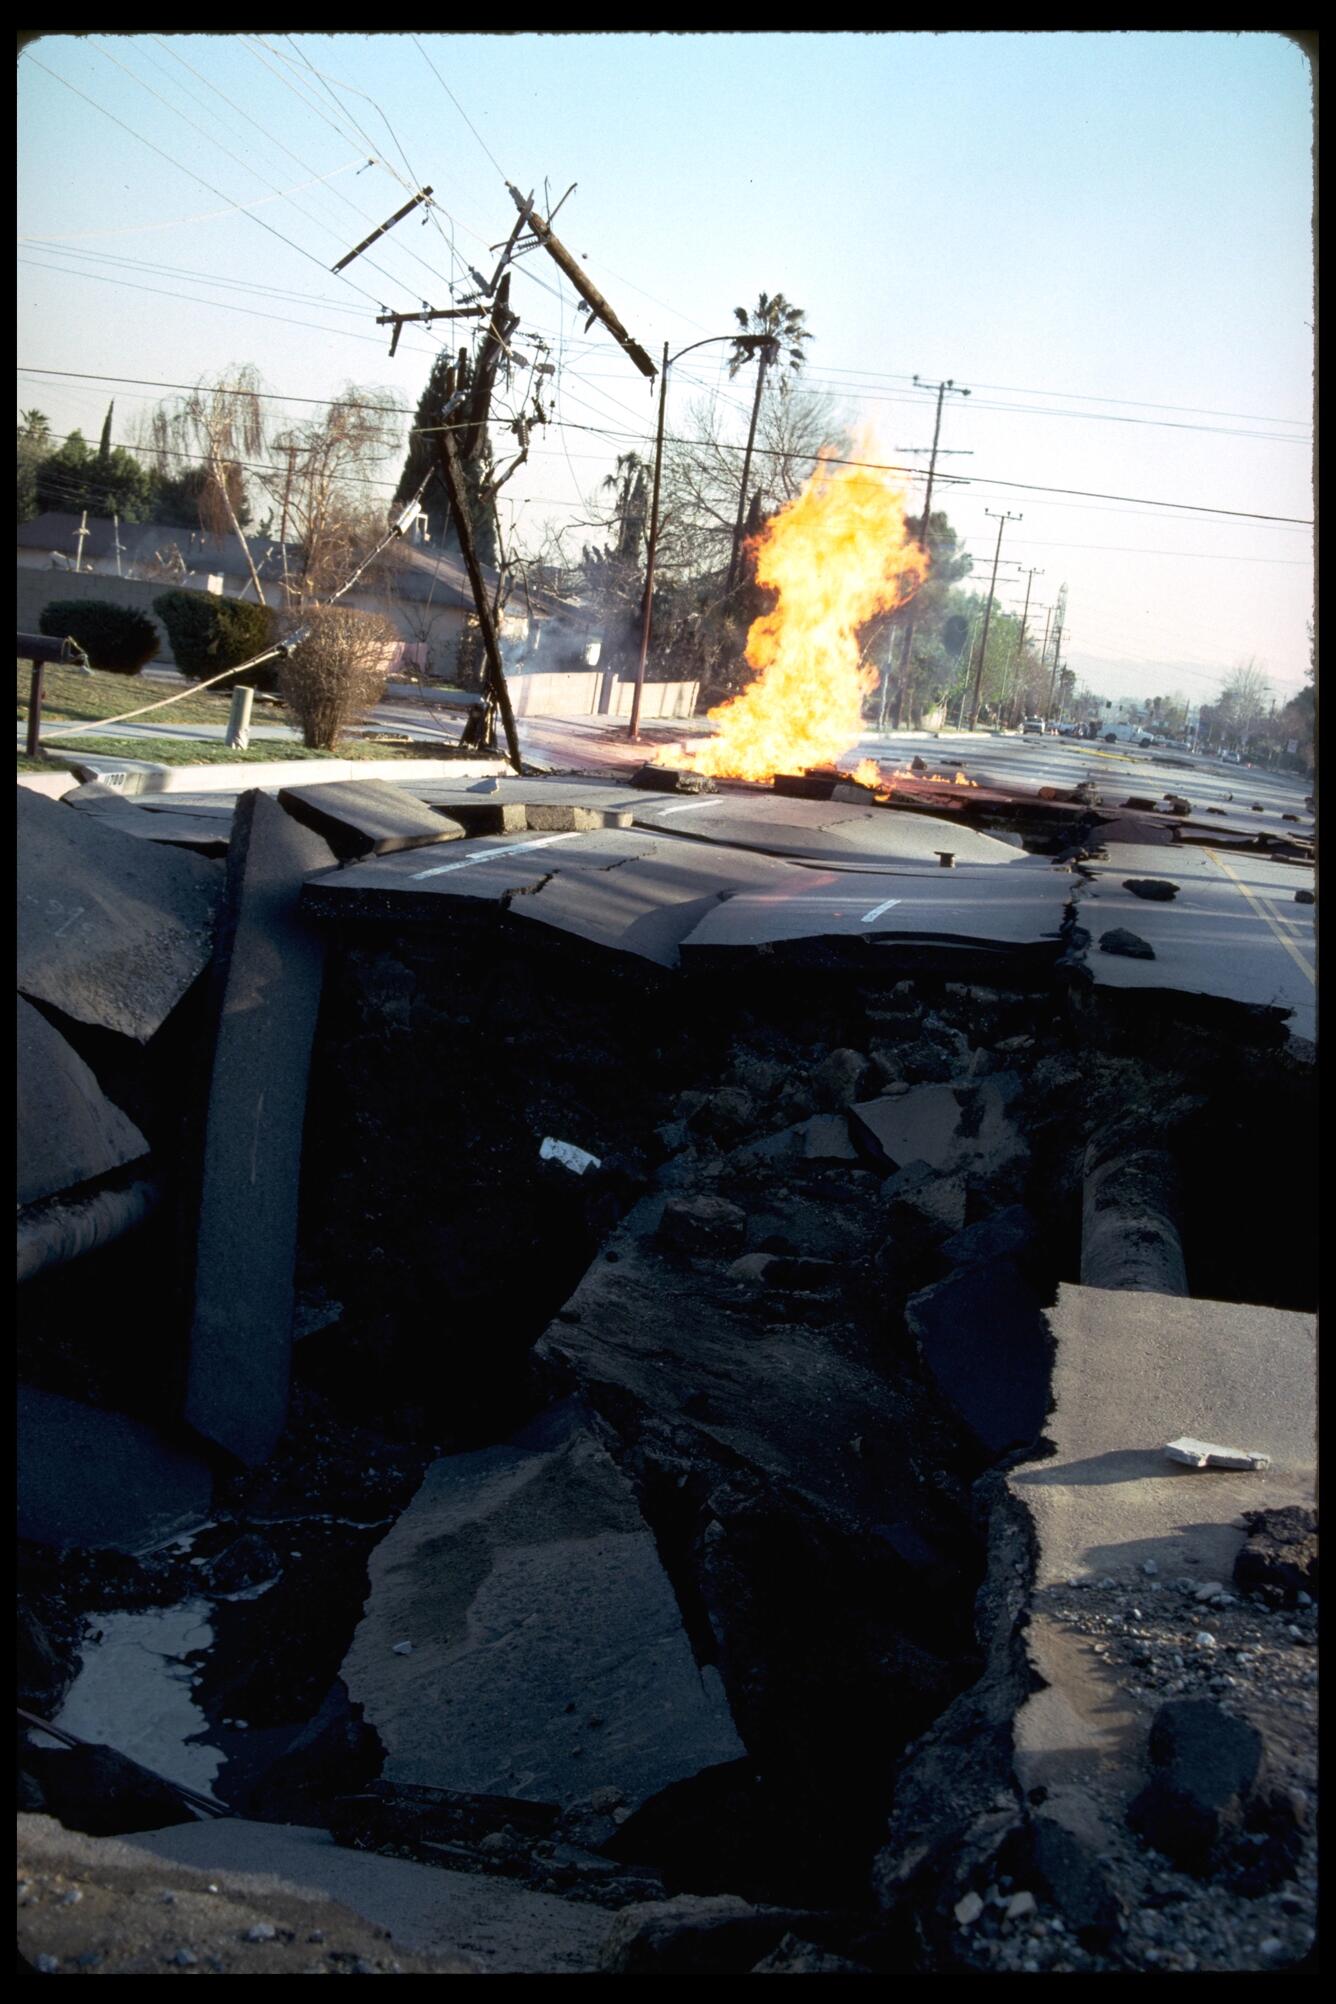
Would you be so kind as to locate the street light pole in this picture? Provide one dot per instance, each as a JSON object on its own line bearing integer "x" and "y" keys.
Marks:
{"x": 746, "y": 340}
{"x": 634, "y": 730}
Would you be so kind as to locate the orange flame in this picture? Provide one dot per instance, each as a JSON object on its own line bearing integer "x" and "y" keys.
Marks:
{"x": 866, "y": 773}
{"x": 837, "y": 554}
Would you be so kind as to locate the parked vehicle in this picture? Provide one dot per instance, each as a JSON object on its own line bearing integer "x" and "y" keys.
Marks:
{"x": 1231, "y": 758}
{"x": 1033, "y": 727}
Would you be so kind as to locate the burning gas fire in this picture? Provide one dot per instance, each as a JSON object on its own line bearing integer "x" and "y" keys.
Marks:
{"x": 836, "y": 555}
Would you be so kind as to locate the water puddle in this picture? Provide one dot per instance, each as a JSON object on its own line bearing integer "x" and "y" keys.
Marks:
{"x": 135, "y": 1693}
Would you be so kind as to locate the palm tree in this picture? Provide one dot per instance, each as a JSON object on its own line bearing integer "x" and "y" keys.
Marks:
{"x": 775, "y": 327}
{"x": 780, "y": 323}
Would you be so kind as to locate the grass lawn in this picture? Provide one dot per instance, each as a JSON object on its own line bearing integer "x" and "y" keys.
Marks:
{"x": 192, "y": 751}
{"x": 76, "y": 698}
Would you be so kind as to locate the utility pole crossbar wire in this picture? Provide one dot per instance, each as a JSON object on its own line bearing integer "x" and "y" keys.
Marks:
{"x": 422, "y": 195}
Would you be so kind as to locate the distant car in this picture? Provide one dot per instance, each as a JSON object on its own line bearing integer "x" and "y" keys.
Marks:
{"x": 1069, "y": 730}
{"x": 1231, "y": 758}
{"x": 1033, "y": 727}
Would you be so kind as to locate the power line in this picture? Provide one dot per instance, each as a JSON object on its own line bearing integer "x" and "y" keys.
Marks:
{"x": 458, "y": 107}
{"x": 162, "y": 155}
{"x": 875, "y": 466}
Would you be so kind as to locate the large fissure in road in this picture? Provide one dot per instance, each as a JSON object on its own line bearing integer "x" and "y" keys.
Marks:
{"x": 753, "y": 1366}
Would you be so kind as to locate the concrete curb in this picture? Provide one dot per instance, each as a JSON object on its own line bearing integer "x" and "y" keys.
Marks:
{"x": 268, "y": 776}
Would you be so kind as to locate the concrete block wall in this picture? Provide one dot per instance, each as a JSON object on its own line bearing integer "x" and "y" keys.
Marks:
{"x": 37, "y": 589}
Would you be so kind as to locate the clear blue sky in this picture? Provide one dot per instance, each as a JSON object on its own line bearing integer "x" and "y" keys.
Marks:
{"x": 1107, "y": 236}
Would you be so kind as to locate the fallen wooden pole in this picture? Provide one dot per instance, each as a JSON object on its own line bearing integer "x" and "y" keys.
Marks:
{"x": 580, "y": 279}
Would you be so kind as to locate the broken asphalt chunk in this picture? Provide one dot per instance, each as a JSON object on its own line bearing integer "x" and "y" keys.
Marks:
{"x": 111, "y": 930}
{"x": 981, "y": 1335}
{"x": 705, "y": 1227}
{"x": 1128, "y": 945}
{"x": 668, "y": 779}
{"x": 366, "y": 817}
{"x": 100, "y": 1479}
{"x": 1206, "y": 1765}
{"x": 266, "y": 995}
{"x": 68, "y": 1130}
{"x": 1279, "y": 1560}
{"x": 536, "y": 1598}
{"x": 1158, "y": 889}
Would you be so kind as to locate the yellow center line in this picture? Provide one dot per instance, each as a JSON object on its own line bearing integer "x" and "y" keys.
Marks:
{"x": 1263, "y": 913}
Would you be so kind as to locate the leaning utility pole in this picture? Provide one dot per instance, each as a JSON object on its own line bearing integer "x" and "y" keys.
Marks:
{"x": 1010, "y": 692}
{"x": 452, "y": 474}
{"x": 1002, "y": 521}
{"x": 903, "y": 682}
{"x": 82, "y": 533}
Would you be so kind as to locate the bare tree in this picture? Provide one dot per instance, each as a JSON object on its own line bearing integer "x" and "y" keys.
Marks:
{"x": 221, "y": 422}
{"x": 1246, "y": 696}
{"x": 320, "y": 483}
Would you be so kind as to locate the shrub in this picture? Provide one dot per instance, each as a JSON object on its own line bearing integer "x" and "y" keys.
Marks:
{"x": 209, "y": 633}
{"x": 114, "y": 637}
{"x": 337, "y": 672}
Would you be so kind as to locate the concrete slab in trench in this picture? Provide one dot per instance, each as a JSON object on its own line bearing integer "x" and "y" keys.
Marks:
{"x": 832, "y": 833}
{"x": 1132, "y": 1371}
{"x": 111, "y": 930}
{"x": 97, "y": 1479}
{"x": 504, "y": 1927}
{"x": 366, "y": 818}
{"x": 982, "y": 1338}
{"x": 548, "y": 1655}
{"x": 68, "y": 1130}
{"x": 1233, "y": 931}
{"x": 965, "y": 1127}
{"x": 267, "y": 977}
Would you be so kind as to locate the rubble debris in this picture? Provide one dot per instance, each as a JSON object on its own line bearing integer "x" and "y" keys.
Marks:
{"x": 68, "y": 1130}
{"x": 266, "y": 993}
{"x": 93, "y": 1479}
{"x": 1066, "y": 1858}
{"x": 1305, "y": 897}
{"x": 1129, "y": 945}
{"x": 367, "y": 817}
{"x": 1279, "y": 1560}
{"x": 693, "y": 1934}
{"x": 101, "y": 1792}
{"x": 792, "y": 1956}
{"x": 669, "y": 779}
{"x": 536, "y": 1599}
{"x": 982, "y": 1337}
{"x": 65, "y": 1227}
{"x": 1009, "y": 1233}
{"x": 1206, "y": 1765}
{"x": 570, "y": 1157}
{"x": 1203, "y": 1454}
{"x": 709, "y": 1227}
{"x": 1174, "y": 803}
{"x": 1159, "y": 889}
{"x": 1140, "y": 803}
{"x": 111, "y": 931}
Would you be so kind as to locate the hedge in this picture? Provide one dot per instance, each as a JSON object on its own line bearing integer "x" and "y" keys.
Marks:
{"x": 114, "y": 637}
{"x": 209, "y": 634}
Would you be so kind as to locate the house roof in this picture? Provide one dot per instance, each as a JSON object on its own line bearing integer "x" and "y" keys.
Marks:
{"x": 419, "y": 574}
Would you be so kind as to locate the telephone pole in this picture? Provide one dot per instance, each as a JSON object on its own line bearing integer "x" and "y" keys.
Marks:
{"x": 1030, "y": 576}
{"x": 1057, "y": 649}
{"x": 902, "y": 683}
{"x": 1002, "y": 521}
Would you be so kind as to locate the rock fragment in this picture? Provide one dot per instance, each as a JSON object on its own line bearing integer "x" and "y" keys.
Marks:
{"x": 1158, "y": 889}
{"x": 1206, "y": 1764}
{"x": 1129, "y": 945}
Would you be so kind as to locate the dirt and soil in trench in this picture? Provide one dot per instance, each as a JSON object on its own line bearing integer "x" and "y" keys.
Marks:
{"x": 831, "y": 1571}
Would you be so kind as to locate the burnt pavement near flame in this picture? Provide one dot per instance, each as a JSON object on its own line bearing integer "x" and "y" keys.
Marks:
{"x": 649, "y": 1306}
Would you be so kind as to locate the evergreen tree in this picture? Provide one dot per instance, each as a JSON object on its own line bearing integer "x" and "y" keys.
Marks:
{"x": 449, "y": 374}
